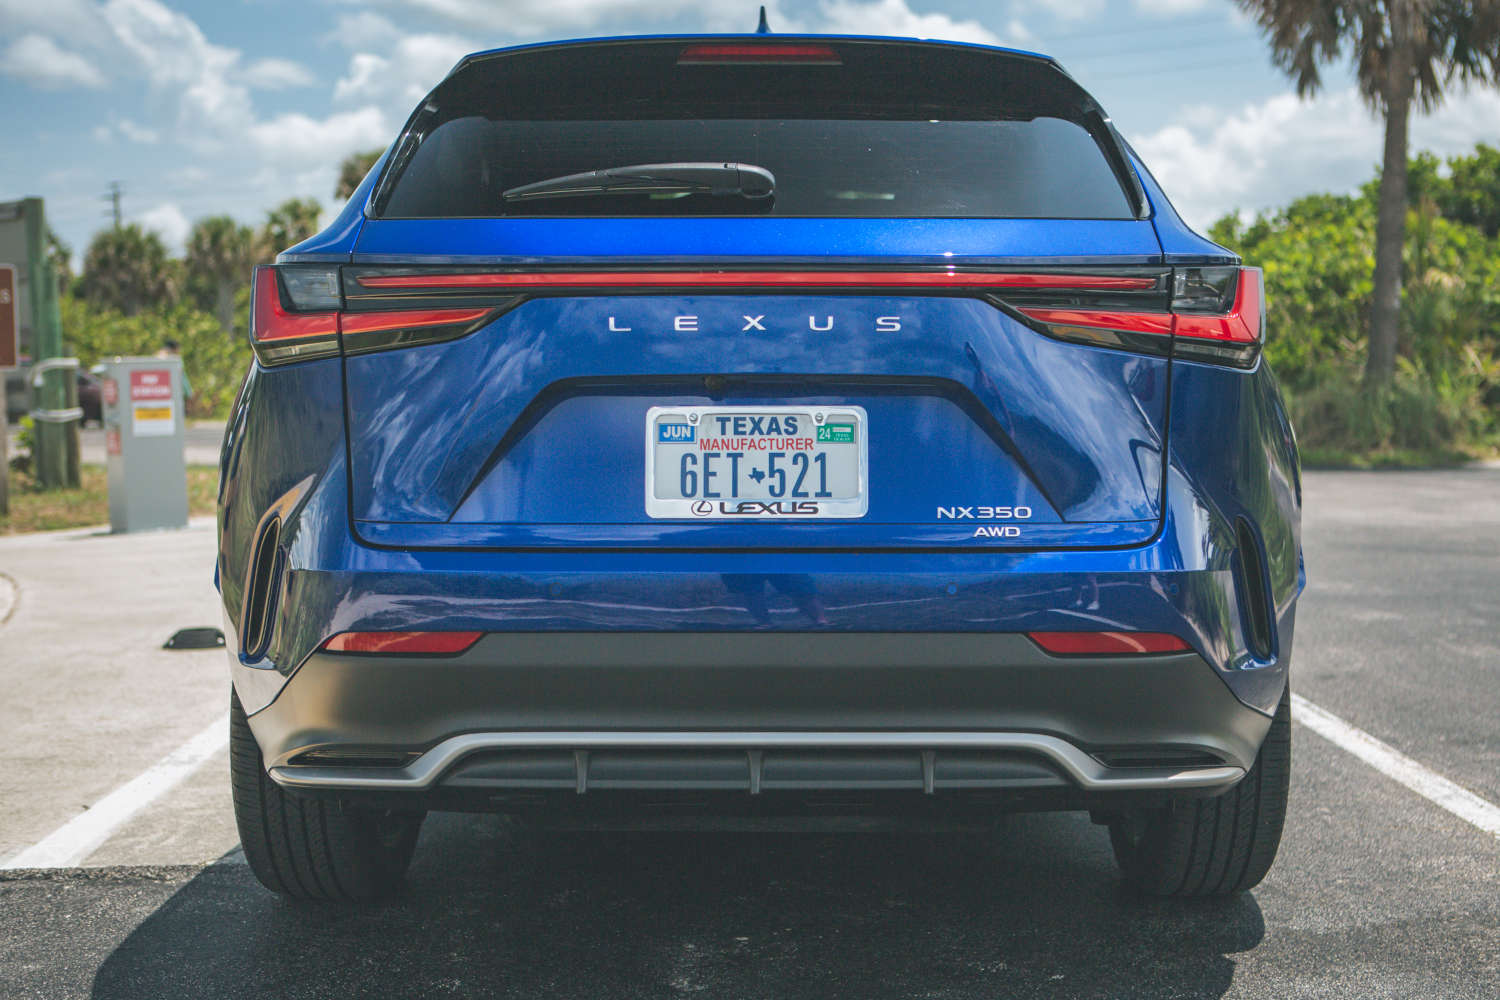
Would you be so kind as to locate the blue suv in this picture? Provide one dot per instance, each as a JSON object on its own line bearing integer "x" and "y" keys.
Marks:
{"x": 782, "y": 426}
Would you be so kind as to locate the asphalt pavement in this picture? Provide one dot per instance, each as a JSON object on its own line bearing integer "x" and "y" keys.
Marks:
{"x": 1378, "y": 891}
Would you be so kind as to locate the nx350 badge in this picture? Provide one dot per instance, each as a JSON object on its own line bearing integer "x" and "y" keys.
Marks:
{"x": 755, "y": 508}
{"x": 984, "y": 513}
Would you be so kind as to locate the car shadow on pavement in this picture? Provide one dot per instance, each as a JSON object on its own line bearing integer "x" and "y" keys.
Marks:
{"x": 1034, "y": 909}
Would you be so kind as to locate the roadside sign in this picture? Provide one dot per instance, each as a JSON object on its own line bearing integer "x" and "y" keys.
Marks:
{"x": 10, "y": 322}
{"x": 151, "y": 402}
{"x": 143, "y": 425}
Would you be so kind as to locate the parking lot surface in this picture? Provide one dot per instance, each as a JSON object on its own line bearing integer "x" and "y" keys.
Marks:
{"x": 1378, "y": 891}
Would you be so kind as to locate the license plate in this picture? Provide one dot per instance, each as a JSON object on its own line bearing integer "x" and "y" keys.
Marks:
{"x": 744, "y": 462}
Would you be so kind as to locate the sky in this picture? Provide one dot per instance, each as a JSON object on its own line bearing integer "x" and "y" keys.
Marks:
{"x": 203, "y": 107}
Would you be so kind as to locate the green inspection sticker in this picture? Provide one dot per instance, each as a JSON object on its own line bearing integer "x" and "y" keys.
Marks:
{"x": 836, "y": 434}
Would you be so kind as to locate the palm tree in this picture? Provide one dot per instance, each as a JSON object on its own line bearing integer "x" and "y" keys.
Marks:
{"x": 127, "y": 269}
{"x": 353, "y": 170}
{"x": 220, "y": 254}
{"x": 291, "y": 222}
{"x": 1405, "y": 52}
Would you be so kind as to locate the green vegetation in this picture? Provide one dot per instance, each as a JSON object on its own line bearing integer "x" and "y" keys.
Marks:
{"x": 215, "y": 362}
{"x": 1405, "y": 53}
{"x": 1442, "y": 403}
{"x": 32, "y": 509}
{"x": 133, "y": 298}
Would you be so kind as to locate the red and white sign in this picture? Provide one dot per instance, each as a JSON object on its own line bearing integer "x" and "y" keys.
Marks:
{"x": 151, "y": 383}
{"x": 109, "y": 392}
{"x": 151, "y": 403}
{"x": 112, "y": 440}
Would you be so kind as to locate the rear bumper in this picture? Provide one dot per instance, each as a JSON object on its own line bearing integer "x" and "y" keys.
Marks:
{"x": 756, "y": 712}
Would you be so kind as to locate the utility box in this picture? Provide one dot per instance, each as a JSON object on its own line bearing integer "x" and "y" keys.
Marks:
{"x": 144, "y": 427}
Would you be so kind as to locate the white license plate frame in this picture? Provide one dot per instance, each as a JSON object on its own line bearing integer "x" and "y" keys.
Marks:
{"x": 820, "y": 419}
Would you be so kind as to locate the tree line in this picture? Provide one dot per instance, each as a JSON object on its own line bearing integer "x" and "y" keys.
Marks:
{"x": 127, "y": 269}
{"x": 1442, "y": 401}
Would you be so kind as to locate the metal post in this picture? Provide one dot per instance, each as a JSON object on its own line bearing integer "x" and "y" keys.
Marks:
{"x": 4, "y": 454}
{"x": 56, "y": 442}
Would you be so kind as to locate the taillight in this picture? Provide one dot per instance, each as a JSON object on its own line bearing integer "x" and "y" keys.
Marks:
{"x": 408, "y": 643}
{"x": 1219, "y": 314}
{"x": 1107, "y": 643}
{"x": 296, "y": 315}
{"x": 282, "y": 329}
{"x": 1215, "y": 314}
{"x": 758, "y": 55}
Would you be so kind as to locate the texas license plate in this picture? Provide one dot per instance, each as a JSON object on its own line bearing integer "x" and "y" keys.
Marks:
{"x": 741, "y": 462}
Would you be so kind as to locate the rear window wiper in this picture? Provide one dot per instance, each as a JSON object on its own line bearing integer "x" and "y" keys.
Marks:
{"x": 743, "y": 179}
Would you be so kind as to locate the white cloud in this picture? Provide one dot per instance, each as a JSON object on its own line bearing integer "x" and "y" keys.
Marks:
{"x": 894, "y": 17}
{"x": 38, "y": 60}
{"x": 137, "y": 133}
{"x": 364, "y": 30}
{"x": 277, "y": 74}
{"x": 414, "y": 67}
{"x": 167, "y": 220}
{"x": 526, "y": 18}
{"x": 1071, "y": 10}
{"x": 295, "y": 140}
{"x": 173, "y": 54}
{"x": 1266, "y": 154}
{"x": 76, "y": 20}
{"x": 1166, "y": 8}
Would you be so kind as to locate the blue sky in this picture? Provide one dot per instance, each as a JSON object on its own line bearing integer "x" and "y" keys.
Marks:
{"x": 200, "y": 107}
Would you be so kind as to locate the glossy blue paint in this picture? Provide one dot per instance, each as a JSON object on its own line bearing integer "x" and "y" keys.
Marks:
{"x": 338, "y": 239}
{"x": 1139, "y": 469}
{"x": 558, "y": 242}
{"x": 966, "y": 406}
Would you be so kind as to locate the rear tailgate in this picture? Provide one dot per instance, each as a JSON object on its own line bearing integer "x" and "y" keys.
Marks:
{"x": 883, "y": 287}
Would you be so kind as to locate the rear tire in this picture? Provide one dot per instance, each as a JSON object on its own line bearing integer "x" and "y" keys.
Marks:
{"x": 308, "y": 848}
{"x": 1216, "y": 846}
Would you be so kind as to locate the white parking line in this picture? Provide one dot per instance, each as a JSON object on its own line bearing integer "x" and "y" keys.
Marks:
{"x": 75, "y": 840}
{"x": 1396, "y": 765}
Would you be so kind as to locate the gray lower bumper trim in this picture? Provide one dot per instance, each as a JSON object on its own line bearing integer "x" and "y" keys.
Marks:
{"x": 428, "y": 769}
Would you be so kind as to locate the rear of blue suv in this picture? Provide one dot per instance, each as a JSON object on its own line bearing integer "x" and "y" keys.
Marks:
{"x": 762, "y": 425}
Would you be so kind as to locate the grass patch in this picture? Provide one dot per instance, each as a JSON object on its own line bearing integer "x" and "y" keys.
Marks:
{"x": 1393, "y": 458}
{"x": 34, "y": 510}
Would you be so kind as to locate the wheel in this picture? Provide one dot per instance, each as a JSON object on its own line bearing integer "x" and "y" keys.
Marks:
{"x": 1214, "y": 846}
{"x": 308, "y": 848}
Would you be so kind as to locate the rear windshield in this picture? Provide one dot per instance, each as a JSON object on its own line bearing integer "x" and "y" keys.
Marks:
{"x": 892, "y": 130}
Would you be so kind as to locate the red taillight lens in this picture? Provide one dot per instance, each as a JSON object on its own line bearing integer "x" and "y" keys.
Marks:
{"x": 1159, "y": 324}
{"x": 280, "y": 335}
{"x": 295, "y": 315}
{"x": 758, "y": 55}
{"x": 1241, "y": 325}
{"x": 1201, "y": 325}
{"x": 406, "y": 643}
{"x": 364, "y": 332}
{"x": 1107, "y": 643}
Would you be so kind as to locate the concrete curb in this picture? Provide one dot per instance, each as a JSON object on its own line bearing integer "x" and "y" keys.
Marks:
{"x": 196, "y": 522}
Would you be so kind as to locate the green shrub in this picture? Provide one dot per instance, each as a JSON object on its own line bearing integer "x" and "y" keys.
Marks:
{"x": 215, "y": 362}
{"x": 1423, "y": 416}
